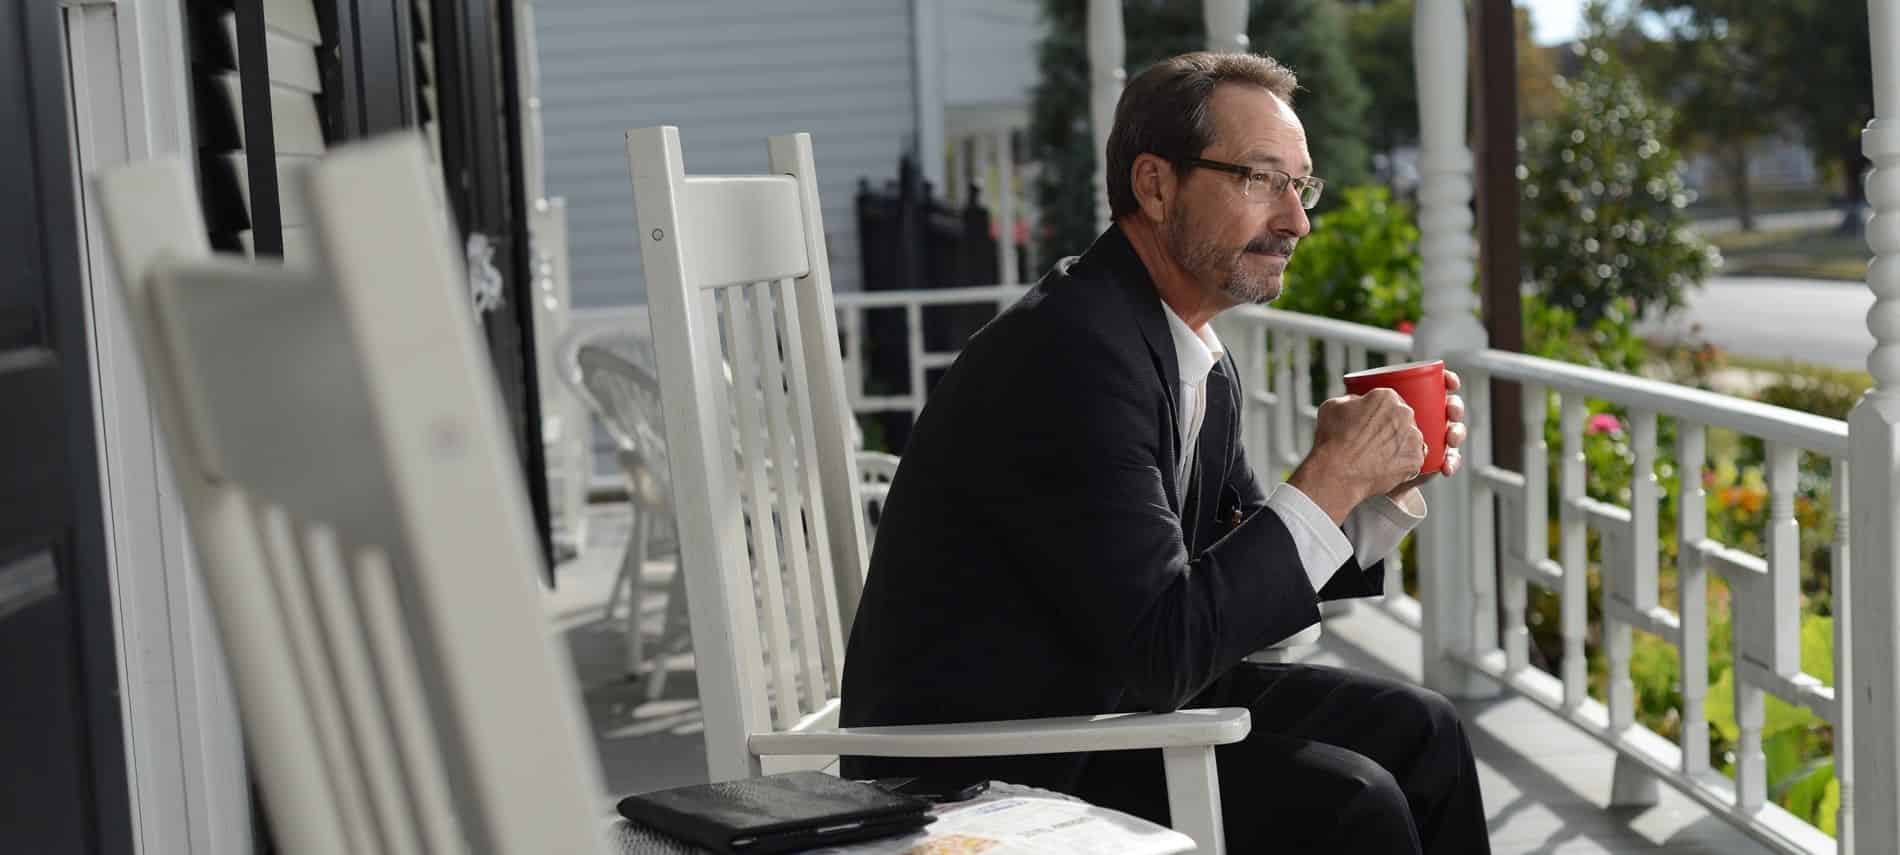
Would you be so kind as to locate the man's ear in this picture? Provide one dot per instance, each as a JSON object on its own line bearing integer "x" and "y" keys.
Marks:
{"x": 1154, "y": 184}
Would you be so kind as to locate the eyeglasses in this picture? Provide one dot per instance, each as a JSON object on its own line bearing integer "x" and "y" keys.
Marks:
{"x": 1262, "y": 185}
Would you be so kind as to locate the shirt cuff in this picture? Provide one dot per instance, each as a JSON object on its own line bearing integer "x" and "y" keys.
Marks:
{"x": 1377, "y": 525}
{"x": 1322, "y": 546}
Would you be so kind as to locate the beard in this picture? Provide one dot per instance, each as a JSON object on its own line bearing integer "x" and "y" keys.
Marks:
{"x": 1224, "y": 266}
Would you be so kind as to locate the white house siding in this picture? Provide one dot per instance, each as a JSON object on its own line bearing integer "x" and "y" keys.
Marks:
{"x": 728, "y": 73}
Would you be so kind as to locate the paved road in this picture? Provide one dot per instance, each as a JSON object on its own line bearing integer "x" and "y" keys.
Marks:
{"x": 1816, "y": 219}
{"x": 1818, "y": 321}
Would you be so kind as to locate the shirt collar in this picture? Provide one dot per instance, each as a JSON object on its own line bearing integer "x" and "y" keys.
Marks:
{"x": 1194, "y": 351}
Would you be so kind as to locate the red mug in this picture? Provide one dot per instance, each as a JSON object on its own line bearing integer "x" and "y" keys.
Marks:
{"x": 1422, "y": 386}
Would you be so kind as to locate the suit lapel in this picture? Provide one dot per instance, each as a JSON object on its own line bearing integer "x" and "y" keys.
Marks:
{"x": 1210, "y": 454}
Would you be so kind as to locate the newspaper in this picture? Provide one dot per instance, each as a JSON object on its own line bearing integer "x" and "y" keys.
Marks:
{"x": 1027, "y": 825}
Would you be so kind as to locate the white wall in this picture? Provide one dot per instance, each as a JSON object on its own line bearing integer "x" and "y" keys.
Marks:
{"x": 728, "y": 74}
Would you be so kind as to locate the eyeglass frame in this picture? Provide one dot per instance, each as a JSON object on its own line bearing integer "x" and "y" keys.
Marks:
{"x": 1267, "y": 178}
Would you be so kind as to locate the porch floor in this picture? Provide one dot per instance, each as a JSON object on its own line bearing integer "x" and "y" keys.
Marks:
{"x": 1545, "y": 784}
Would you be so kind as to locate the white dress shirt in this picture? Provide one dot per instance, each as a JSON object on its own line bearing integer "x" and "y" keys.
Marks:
{"x": 1371, "y": 531}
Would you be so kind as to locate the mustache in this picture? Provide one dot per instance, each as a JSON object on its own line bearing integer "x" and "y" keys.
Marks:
{"x": 1274, "y": 244}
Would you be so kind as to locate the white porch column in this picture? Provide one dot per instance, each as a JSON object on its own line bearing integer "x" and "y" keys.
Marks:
{"x": 927, "y": 48}
{"x": 1226, "y": 24}
{"x": 1106, "y": 50}
{"x": 1003, "y": 203}
{"x": 1874, "y": 440}
{"x": 1458, "y": 608}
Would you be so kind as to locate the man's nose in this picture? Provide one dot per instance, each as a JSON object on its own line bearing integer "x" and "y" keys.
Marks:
{"x": 1290, "y": 220}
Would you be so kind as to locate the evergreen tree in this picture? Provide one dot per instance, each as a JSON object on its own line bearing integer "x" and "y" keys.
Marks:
{"x": 1307, "y": 35}
{"x": 1604, "y": 232}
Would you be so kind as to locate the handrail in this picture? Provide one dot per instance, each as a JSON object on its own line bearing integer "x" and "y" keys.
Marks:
{"x": 1347, "y": 332}
{"x": 1778, "y": 424}
{"x": 933, "y": 297}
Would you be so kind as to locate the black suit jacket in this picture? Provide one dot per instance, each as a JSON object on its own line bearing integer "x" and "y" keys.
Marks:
{"x": 1036, "y": 556}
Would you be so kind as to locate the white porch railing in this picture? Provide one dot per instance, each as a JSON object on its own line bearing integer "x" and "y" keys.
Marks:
{"x": 1765, "y": 593}
{"x": 852, "y": 308}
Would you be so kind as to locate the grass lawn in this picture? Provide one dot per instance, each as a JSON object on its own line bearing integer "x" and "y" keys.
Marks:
{"x": 1813, "y": 253}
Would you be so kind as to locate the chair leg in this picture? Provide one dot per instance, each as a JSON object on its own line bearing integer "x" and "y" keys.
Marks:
{"x": 628, "y": 569}
{"x": 672, "y": 625}
{"x": 631, "y": 565}
{"x": 1194, "y": 796}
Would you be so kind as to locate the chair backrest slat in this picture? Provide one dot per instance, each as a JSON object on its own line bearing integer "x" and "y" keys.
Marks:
{"x": 364, "y": 701}
{"x": 757, "y": 488}
{"x": 415, "y": 732}
{"x": 735, "y": 237}
{"x": 832, "y": 422}
{"x": 316, "y": 668}
{"x": 828, "y": 642}
{"x": 790, "y": 482}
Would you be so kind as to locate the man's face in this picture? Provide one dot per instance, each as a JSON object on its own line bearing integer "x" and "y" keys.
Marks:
{"x": 1235, "y": 246}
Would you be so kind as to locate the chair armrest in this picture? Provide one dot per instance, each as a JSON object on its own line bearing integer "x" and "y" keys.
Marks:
{"x": 1023, "y": 736}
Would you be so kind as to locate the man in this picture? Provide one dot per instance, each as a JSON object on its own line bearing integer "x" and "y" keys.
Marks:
{"x": 1074, "y": 529}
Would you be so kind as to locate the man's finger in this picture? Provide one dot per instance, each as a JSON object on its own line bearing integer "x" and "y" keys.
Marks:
{"x": 1455, "y": 408}
{"x": 1455, "y": 435}
{"x": 1452, "y": 381}
{"x": 1453, "y": 462}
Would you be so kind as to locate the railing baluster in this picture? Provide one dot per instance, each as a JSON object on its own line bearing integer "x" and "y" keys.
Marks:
{"x": 1575, "y": 555}
{"x": 1751, "y": 765}
{"x": 1692, "y": 583}
{"x": 1534, "y": 525}
{"x": 1255, "y": 427}
{"x": 1784, "y": 560}
{"x": 1355, "y": 358}
{"x": 1482, "y": 513}
{"x": 1303, "y": 392}
{"x": 1286, "y": 418}
{"x": 1629, "y": 572}
{"x": 1844, "y": 732}
{"x": 1335, "y": 368}
{"x": 914, "y": 330}
{"x": 1645, "y": 502}
{"x": 853, "y": 352}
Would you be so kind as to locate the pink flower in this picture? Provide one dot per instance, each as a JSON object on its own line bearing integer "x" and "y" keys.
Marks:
{"x": 1406, "y": 327}
{"x": 1708, "y": 477}
{"x": 1603, "y": 423}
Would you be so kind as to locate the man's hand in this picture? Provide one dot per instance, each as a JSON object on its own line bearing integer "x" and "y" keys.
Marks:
{"x": 1454, "y": 437}
{"x": 1362, "y": 446}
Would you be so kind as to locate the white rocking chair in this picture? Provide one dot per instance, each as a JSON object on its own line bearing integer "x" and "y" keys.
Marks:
{"x": 741, "y": 260}
{"x": 360, "y": 521}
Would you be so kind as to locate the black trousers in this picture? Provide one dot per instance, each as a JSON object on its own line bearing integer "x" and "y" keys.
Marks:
{"x": 1338, "y": 761}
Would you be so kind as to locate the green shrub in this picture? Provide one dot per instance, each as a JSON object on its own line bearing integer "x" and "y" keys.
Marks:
{"x": 1360, "y": 263}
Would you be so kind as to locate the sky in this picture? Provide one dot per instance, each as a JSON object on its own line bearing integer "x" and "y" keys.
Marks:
{"x": 1554, "y": 21}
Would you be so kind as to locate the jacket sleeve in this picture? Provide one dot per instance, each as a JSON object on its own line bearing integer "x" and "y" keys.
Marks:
{"x": 1074, "y": 485}
{"x": 1350, "y": 580}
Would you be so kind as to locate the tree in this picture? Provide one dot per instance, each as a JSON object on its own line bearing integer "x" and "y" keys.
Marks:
{"x": 1718, "y": 91}
{"x": 1381, "y": 39}
{"x": 1308, "y": 35}
{"x": 1603, "y": 228}
{"x": 1809, "y": 64}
